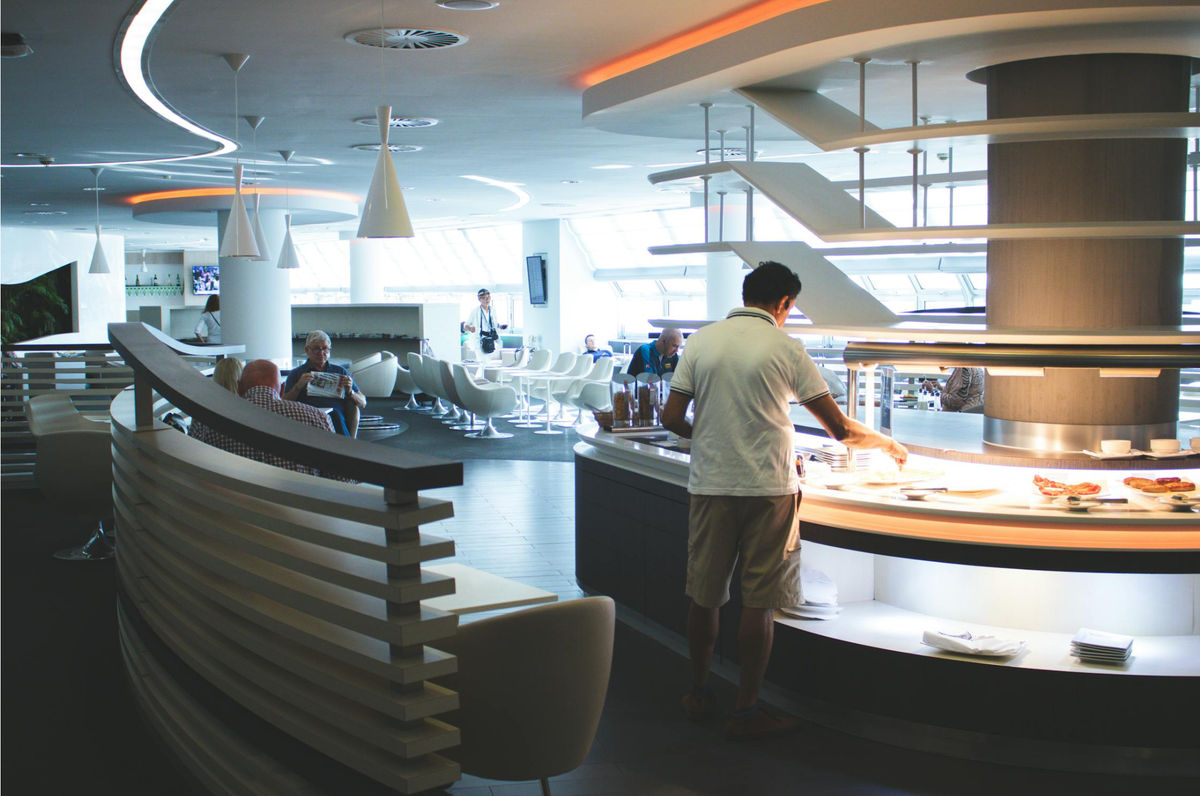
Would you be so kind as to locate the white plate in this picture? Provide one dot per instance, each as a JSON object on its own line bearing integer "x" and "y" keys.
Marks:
{"x": 1078, "y": 504}
{"x": 1180, "y": 500}
{"x": 1132, "y": 454}
{"x": 1179, "y": 454}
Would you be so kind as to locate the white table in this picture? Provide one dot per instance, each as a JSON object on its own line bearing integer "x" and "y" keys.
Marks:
{"x": 476, "y": 590}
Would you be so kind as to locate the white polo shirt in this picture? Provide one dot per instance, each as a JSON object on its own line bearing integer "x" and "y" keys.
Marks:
{"x": 741, "y": 373}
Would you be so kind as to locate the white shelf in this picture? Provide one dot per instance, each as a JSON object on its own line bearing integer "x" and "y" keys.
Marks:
{"x": 884, "y": 626}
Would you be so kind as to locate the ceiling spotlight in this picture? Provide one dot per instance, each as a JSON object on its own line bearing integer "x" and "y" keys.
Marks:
{"x": 399, "y": 122}
{"x": 467, "y": 5}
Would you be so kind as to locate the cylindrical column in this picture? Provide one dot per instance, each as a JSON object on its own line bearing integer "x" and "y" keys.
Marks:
{"x": 367, "y": 269}
{"x": 256, "y": 306}
{"x": 1089, "y": 283}
{"x": 725, "y": 270}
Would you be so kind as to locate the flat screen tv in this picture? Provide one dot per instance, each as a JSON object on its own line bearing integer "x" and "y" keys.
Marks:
{"x": 206, "y": 279}
{"x": 535, "y": 267}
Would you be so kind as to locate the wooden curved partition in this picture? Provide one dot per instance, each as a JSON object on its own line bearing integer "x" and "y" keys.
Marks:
{"x": 270, "y": 620}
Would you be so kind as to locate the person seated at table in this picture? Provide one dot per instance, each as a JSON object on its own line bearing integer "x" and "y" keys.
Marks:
{"x": 963, "y": 391}
{"x": 658, "y": 356}
{"x": 227, "y": 372}
{"x": 260, "y": 385}
{"x": 344, "y": 408}
{"x": 590, "y": 349}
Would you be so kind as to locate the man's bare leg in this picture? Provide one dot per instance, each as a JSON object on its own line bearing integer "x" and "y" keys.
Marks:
{"x": 755, "y": 637}
{"x": 702, "y": 627}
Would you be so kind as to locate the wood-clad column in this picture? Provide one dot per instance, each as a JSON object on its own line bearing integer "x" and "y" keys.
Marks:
{"x": 1087, "y": 284}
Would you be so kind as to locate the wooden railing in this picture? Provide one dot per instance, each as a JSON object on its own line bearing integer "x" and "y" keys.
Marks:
{"x": 91, "y": 373}
{"x": 271, "y": 621}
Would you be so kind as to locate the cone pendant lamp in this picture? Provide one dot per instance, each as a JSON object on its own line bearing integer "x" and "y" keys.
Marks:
{"x": 99, "y": 261}
{"x": 239, "y": 237}
{"x": 384, "y": 214}
{"x": 287, "y": 252}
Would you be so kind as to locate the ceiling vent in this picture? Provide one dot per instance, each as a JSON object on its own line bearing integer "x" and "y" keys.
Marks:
{"x": 406, "y": 38}
{"x": 391, "y": 147}
{"x": 399, "y": 122}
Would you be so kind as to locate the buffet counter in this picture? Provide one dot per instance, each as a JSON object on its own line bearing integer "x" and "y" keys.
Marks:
{"x": 989, "y": 556}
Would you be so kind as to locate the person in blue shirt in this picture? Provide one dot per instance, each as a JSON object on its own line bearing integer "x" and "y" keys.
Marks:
{"x": 658, "y": 356}
{"x": 590, "y": 349}
{"x": 344, "y": 411}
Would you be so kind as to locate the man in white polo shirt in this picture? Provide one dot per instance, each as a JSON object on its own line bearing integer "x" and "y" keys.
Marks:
{"x": 741, "y": 373}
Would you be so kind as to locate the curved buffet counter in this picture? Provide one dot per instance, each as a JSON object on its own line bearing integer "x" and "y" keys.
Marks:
{"x": 991, "y": 556}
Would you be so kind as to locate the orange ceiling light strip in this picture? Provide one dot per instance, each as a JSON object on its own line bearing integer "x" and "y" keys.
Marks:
{"x": 156, "y": 196}
{"x": 710, "y": 31}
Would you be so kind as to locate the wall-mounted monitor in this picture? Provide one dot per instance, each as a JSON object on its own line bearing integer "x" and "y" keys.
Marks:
{"x": 535, "y": 268}
{"x": 206, "y": 279}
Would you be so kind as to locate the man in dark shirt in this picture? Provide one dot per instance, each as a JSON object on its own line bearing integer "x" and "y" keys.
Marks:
{"x": 344, "y": 414}
{"x": 659, "y": 356}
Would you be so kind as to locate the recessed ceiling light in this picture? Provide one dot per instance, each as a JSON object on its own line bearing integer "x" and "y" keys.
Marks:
{"x": 391, "y": 147}
{"x": 39, "y": 204}
{"x": 399, "y": 122}
{"x": 95, "y": 188}
{"x": 570, "y": 182}
{"x": 45, "y": 212}
{"x": 467, "y": 5}
{"x": 406, "y": 38}
{"x": 610, "y": 166}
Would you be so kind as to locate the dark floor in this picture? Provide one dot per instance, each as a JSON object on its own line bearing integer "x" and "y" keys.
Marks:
{"x": 70, "y": 726}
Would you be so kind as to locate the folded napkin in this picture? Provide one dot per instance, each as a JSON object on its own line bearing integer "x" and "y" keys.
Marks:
{"x": 817, "y": 587}
{"x": 807, "y": 611}
{"x": 966, "y": 643}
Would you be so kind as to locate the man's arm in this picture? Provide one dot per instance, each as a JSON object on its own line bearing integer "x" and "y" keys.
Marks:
{"x": 848, "y": 431}
{"x": 674, "y": 414}
{"x": 637, "y": 364}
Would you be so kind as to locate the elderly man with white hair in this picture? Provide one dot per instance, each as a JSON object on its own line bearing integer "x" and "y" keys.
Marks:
{"x": 344, "y": 408}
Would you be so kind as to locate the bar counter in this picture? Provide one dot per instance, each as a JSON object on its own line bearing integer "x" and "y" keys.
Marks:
{"x": 1009, "y": 564}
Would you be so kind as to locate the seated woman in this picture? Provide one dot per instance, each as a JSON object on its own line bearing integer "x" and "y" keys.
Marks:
{"x": 963, "y": 391}
{"x": 345, "y": 405}
{"x": 227, "y": 372}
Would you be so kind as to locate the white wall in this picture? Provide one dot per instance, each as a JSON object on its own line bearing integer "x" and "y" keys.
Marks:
{"x": 577, "y": 305}
{"x": 542, "y": 323}
{"x": 99, "y": 298}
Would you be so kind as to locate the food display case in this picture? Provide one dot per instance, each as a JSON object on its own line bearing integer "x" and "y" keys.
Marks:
{"x": 958, "y": 543}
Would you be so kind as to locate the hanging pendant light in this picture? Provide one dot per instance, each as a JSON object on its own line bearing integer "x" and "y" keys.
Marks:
{"x": 260, "y": 237}
{"x": 239, "y": 237}
{"x": 288, "y": 257}
{"x": 384, "y": 214}
{"x": 99, "y": 261}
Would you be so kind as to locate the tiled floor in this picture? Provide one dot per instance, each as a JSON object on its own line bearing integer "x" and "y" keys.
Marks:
{"x": 516, "y": 518}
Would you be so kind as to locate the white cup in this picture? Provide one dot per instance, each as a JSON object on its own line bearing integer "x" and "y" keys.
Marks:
{"x": 1114, "y": 446}
{"x": 1195, "y": 443}
{"x": 1164, "y": 446}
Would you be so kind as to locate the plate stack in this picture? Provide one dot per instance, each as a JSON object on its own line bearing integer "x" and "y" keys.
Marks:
{"x": 838, "y": 457}
{"x": 820, "y": 596}
{"x": 1095, "y": 646}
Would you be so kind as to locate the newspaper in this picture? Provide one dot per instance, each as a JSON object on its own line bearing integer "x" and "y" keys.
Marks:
{"x": 325, "y": 385}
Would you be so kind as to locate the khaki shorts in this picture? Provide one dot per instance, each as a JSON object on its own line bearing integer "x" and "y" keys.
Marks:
{"x": 763, "y": 531}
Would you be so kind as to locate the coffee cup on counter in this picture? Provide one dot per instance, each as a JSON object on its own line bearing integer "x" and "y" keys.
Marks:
{"x": 1164, "y": 446}
{"x": 1114, "y": 446}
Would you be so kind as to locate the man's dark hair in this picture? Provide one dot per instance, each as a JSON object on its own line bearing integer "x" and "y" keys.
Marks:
{"x": 768, "y": 283}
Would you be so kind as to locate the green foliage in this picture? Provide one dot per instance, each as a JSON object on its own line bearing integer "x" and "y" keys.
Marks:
{"x": 33, "y": 309}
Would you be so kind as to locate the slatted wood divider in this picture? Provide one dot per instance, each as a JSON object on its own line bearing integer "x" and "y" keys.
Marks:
{"x": 297, "y": 597}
